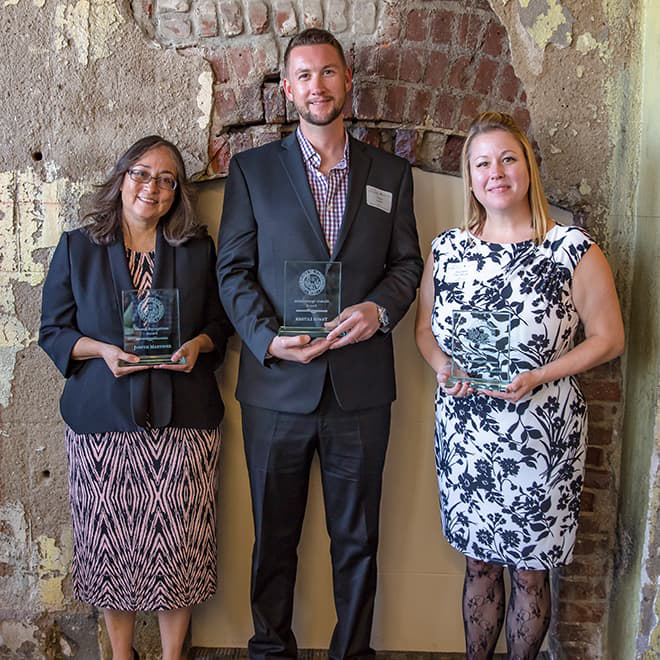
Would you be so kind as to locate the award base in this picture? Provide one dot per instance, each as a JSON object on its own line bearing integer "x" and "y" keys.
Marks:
{"x": 478, "y": 383}
{"x": 151, "y": 360}
{"x": 294, "y": 331}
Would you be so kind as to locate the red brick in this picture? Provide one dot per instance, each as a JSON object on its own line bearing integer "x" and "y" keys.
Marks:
{"x": 225, "y": 106}
{"x": 587, "y": 501}
{"x": 368, "y": 102}
{"x": 588, "y": 547}
{"x": 365, "y": 61}
{"x": 240, "y": 141}
{"x": 469, "y": 30}
{"x": 257, "y": 12}
{"x": 436, "y": 69}
{"x": 521, "y": 115}
{"x": 219, "y": 155}
{"x": 388, "y": 62}
{"x": 598, "y": 479}
{"x": 412, "y": 63}
{"x": 368, "y": 135}
{"x": 250, "y": 106}
{"x": 285, "y": 18}
{"x": 470, "y": 108}
{"x": 595, "y": 457}
{"x": 486, "y": 72}
{"x": 420, "y": 107}
{"x": 395, "y": 101}
{"x": 264, "y": 134}
{"x": 417, "y": 25}
{"x": 232, "y": 18}
{"x": 218, "y": 63}
{"x": 510, "y": 85}
{"x": 241, "y": 60}
{"x": 312, "y": 14}
{"x": 600, "y": 437}
{"x": 590, "y": 524}
{"x": 445, "y": 108}
{"x": 175, "y": 27}
{"x": 589, "y": 567}
{"x": 207, "y": 21}
{"x": 274, "y": 106}
{"x": 599, "y": 412}
{"x": 583, "y": 589}
{"x": 523, "y": 96}
{"x": 577, "y": 632}
{"x": 459, "y": 72}
{"x": 442, "y": 27}
{"x": 405, "y": 145}
{"x": 585, "y": 613}
{"x": 451, "y": 155}
{"x": 493, "y": 39}
{"x": 602, "y": 391}
{"x": 347, "y": 110}
{"x": 581, "y": 651}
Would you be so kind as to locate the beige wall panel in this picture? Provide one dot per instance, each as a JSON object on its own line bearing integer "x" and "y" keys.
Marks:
{"x": 418, "y": 601}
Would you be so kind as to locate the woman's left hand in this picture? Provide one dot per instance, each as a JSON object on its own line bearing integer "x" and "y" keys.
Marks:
{"x": 189, "y": 351}
{"x": 519, "y": 386}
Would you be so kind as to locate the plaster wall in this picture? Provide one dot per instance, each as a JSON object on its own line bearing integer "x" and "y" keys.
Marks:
{"x": 635, "y": 627}
{"x": 82, "y": 79}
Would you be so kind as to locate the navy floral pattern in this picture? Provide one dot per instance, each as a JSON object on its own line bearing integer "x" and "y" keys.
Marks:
{"x": 511, "y": 475}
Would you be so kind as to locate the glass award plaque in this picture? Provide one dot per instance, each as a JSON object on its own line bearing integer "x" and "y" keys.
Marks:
{"x": 480, "y": 348}
{"x": 151, "y": 324}
{"x": 312, "y": 298}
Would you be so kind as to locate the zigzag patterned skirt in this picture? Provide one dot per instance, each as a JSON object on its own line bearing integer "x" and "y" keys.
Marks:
{"x": 143, "y": 513}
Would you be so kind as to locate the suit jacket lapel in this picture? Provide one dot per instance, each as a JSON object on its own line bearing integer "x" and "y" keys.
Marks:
{"x": 121, "y": 278}
{"x": 360, "y": 163}
{"x": 295, "y": 170}
{"x": 163, "y": 277}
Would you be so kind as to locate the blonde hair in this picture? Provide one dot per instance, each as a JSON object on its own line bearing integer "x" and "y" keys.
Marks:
{"x": 474, "y": 212}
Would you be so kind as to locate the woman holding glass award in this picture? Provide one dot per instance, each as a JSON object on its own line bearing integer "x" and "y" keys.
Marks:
{"x": 500, "y": 303}
{"x": 141, "y": 403}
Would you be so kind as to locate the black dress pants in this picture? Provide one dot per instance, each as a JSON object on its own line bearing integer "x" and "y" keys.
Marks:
{"x": 279, "y": 448}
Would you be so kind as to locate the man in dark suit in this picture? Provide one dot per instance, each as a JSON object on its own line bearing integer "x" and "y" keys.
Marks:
{"x": 317, "y": 195}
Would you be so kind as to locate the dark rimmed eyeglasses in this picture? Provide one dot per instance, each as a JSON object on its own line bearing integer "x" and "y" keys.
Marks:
{"x": 164, "y": 181}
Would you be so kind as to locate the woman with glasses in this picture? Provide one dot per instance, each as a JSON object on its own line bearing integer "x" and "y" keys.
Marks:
{"x": 142, "y": 439}
{"x": 500, "y": 304}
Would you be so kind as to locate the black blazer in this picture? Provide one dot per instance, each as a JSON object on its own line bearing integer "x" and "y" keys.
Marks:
{"x": 82, "y": 298}
{"x": 269, "y": 216}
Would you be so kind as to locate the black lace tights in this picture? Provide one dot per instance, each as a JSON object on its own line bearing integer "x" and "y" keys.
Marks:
{"x": 527, "y": 618}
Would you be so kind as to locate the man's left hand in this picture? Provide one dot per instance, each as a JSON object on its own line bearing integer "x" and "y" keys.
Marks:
{"x": 356, "y": 323}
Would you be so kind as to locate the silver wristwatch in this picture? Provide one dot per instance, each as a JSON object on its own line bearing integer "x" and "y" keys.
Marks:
{"x": 383, "y": 318}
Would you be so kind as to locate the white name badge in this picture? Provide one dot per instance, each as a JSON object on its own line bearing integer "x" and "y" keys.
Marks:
{"x": 456, "y": 272}
{"x": 379, "y": 199}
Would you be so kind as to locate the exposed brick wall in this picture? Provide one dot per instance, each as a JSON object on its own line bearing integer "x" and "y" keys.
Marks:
{"x": 422, "y": 70}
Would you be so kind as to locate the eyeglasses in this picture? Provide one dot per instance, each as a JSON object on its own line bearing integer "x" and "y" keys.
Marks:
{"x": 142, "y": 176}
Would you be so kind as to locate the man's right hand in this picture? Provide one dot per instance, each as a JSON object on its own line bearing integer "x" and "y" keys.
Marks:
{"x": 298, "y": 349}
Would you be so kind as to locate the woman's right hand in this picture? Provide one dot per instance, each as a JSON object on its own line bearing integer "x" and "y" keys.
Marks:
{"x": 460, "y": 389}
{"x": 113, "y": 354}
{"x": 87, "y": 348}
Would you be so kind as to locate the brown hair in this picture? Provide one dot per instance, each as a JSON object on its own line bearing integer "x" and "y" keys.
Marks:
{"x": 312, "y": 37}
{"x": 474, "y": 213}
{"x": 104, "y": 220}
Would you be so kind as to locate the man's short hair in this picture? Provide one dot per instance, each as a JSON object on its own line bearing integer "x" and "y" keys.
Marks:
{"x": 312, "y": 37}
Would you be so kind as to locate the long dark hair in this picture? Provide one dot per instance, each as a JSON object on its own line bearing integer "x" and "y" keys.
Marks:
{"x": 104, "y": 220}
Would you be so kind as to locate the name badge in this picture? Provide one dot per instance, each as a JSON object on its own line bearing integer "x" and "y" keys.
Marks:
{"x": 379, "y": 199}
{"x": 456, "y": 272}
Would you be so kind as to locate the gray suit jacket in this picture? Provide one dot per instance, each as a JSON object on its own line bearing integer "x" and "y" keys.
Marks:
{"x": 269, "y": 216}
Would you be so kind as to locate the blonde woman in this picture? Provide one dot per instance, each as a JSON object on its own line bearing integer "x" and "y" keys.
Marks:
{"x": 510, "y": 463}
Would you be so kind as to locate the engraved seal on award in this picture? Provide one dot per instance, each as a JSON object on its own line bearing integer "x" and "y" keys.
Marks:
{"x": 151, "y": 310}
{"x": 312, "y": 282}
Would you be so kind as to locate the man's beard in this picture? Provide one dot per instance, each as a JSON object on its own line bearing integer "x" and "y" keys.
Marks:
{"x": 307, "y": 114}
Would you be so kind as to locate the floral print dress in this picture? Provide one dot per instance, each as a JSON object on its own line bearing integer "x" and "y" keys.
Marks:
{"x": 511, "y": 474}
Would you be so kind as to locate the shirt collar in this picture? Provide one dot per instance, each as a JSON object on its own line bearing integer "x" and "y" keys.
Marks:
{"x": 311, "y": 156}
